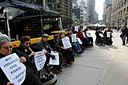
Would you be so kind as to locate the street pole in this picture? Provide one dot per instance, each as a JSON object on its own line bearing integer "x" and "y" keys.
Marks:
{"x": 41, "y": 20}
{"x": 7, "y": 20}
{"x": 60, "y": 24}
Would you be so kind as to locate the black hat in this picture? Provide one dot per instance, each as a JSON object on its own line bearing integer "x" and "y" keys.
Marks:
{"x": 46, "y": 35}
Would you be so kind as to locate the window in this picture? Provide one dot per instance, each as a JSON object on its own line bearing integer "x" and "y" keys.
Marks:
{"x": 125, "y": 2}
{"x": 127, "y": 9}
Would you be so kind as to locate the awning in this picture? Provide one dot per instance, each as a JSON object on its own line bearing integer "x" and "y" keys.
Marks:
{"x": 27, "y": 7}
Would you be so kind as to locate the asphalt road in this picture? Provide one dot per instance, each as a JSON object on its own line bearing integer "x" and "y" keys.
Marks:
{"x": 98, "y": 65}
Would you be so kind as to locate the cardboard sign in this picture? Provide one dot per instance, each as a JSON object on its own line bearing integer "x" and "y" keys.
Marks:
{"x": 13, "y": 69}
{"x": 76, "y": 28}
{"x": 40, "y": 60}
{"x": 80, "y": 42}
{"x": 66, "y": 42}
{"x": 54, "y": 62}
{"x": 74, "y": 38}
{"x": 108, "y": 34}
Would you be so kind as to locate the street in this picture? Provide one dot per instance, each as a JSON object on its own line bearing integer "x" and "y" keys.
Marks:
{"x": 98, "y": 65}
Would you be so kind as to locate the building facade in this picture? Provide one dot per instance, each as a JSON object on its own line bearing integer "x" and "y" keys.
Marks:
{"x": 74, "y": 2}
{"x": 91, "y": 11}
{"x": 65, "y": 9}
{"x": 119, "y": 13}
{"x": 107, "y": 12}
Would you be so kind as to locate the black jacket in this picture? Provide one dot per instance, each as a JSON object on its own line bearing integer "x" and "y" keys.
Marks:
{"x": 42, "y": 44}
{"x": 45, "y": 45}
{"x": 125, "y": 31}
{"x": 26, "y": 50}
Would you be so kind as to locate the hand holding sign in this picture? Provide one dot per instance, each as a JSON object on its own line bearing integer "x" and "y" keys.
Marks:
{"x": 10, "y": 83}
{"x": 52, "y": 61}
{"x": 13, "y": 69}
{"x": 40, "y": 60}
{"x": 66, "y": 42}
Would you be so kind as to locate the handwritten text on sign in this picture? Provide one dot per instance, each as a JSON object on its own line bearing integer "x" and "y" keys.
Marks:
{"x": 74, "y": 38}
{"x": 13, "y": 69}
{"x": 66, "y": 42}
{"x": 40, "y": 60}
{"x": 52, "y": 61}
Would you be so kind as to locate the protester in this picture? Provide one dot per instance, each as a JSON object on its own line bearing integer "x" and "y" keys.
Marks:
{"x": 6, "y": 49}
{"x": 74, "y": 44}
{"x": 81, "y": 27}
{"x": 75, "y": 28}
{"x": 108, "y": 36}
{"x": 83, "y": 39}
{"x": 88, "y": 35}
{"x": 44, "y": 44}
{"x": 68, "y": 53}
{"x": 100, "y": 37}
{"x": 30, "y": 50}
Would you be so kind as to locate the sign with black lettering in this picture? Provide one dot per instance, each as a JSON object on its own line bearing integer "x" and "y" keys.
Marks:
{"x": 52, "y": 61}
{"x": 13, "y": 69}
{"x": 108, "y": 34}
{"x": 76, "y": 28}
{"x": 73, "y": 38}
{"x": 66, "y": 42}
{"x": 40, "y": 59}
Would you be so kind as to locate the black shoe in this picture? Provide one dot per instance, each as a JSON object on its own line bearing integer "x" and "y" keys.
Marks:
{"x": 80, "y": 52}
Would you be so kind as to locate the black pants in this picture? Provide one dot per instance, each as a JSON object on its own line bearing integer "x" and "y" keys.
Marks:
{"x": 90, "y": 39}
{"x": 68, "y": 54}
{"x": 32, "y": 80}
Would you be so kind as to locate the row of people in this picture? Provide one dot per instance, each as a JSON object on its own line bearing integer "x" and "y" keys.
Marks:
{"x": 26, "y": 53}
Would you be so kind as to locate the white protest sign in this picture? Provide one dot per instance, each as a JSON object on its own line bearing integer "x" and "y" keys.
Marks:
{"x": 74, "y": 38}
{"x": 13, "y": 69}
{"x": 40, "y": 60}
{"x": 108, "y": 34}
{"x": 66, "y": 42}
{"x": 88, "y": 34}
{"x": 101, "y": 35}
{"x": 52, "y": 61}
{"x": 84, "y": 34}
{"x": 84, "y": 27}
{"x": 76, "y": 28}
{"x": 80, "y": 42}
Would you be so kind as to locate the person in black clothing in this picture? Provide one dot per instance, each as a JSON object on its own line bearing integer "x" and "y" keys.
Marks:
{"x": 75, "y": 28}
{"x": 44, "y": 44}
{"x": 124, "y": 34}
{"x": 67, "y": 53}
{"x": 108, "y": 36}
{"x": 100, "y": 37}
{"x": 30, "y": 50}
{"x": 6, "y": 49}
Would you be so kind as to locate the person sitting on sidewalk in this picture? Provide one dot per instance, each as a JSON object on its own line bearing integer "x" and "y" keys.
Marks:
{"x": 44, "y": 44}
{"x": 74, "y": 44}
{"x": 5, "y": 50}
